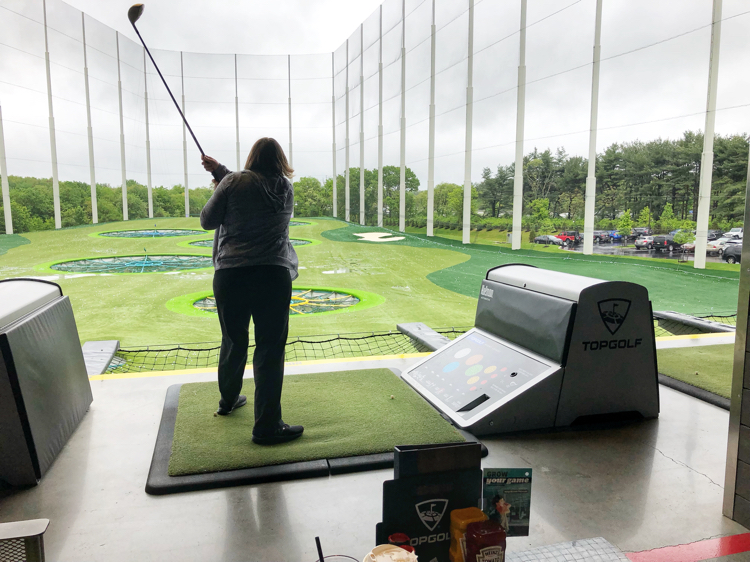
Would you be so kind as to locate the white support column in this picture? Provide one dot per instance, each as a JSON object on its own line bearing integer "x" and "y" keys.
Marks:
{"x": 122, "y": 135}
{"x": 431, "y": 149}
{"x": 346, "y": 141}
{"x": 469, "y": 121}
{"x": 237, "y": 114}
{"x": 590, "y": 205}
{"x": 184, "y": 140}
{"x": 289, "y": 83}
{"x": 90, "y": 131}
{"x": 707, "y": 159}
{"x": 380, "y": 121}
{"x": 402, "y": 176}
{"x": 148, "y": 143}
{"x": 333, "y": 132}
{"x": 520, "y": 112}
{"x": 361, "y": 124}
{"x": 5, "y": 185}
{"x": 52, "y": 139}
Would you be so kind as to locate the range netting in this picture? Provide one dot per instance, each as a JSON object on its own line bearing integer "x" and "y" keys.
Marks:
{"x": 304, "y": 301}
{"x": 135, "y": 264}
{"x": 664, "y": 327}
{"x": 302, "y": 348}
{"x": 156, "y": 233}
{"x": 305, "y": 348}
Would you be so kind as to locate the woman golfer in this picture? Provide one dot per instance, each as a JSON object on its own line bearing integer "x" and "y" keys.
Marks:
{"x": 255, "y": 264}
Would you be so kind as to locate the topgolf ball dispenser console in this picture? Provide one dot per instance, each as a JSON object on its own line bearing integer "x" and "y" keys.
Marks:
{"x": 547, "y": 349}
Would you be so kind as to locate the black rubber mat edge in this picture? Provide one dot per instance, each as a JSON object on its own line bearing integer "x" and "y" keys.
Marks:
{"x": 695, "y": 392}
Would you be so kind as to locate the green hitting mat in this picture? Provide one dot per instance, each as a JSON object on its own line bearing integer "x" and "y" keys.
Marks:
{"x": 352, "y": 419}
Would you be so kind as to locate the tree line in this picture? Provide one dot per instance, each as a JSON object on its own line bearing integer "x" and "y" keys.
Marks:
{"x": 655, "y": 181}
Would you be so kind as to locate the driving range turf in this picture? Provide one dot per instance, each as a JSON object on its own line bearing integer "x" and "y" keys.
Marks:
{"x": 435, "y": 280}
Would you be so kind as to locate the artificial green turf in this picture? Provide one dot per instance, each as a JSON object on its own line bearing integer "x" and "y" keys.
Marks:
{"x": 708, "y": 367}
{"x": 671, "y": 286}
{"x": 435, "y": 280}
{"x": 345, "y": 414}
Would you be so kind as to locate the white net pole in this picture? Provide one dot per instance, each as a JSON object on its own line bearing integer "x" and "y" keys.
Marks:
{"x": 5, "y": 185}
{"x": 361, "y": 124}
{"x": 402, "y": 175}
{"x": 122, "y": 135}
{"x": 431, "y": 148}
{"x": 89, "y": 129}
{"x": 707, "y": 159}
{"x": 237, "y": 114}
{"x": 469, "y": 113}
{"x": 346, "y": 141}
{"x": 380, "y": 121}
{"x": 289, "y": 83}
{"x": 333, "y": 132}
{"x": 520, "y": 111}
{"x": 52, "y": 139}
{"x": 148, "y": 142}
{"x": 590, "y": 205}
{"x": 184, "y": 139}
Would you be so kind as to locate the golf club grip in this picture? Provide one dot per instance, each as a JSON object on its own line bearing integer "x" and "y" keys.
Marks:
{"x": 184, "y": 120}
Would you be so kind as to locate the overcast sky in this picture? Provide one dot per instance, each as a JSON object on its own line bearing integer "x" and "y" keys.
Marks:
{"x": 241, "y": 26}
{"x": 654, "y": 73}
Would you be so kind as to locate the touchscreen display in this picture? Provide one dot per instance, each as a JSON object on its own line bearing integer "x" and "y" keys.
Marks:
{"x": 475, "y": 371}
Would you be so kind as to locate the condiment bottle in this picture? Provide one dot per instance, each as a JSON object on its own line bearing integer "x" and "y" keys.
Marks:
{"x": 485, "y": 542}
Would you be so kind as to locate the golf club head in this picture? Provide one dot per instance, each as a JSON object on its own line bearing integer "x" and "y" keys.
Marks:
{"x": 135, "y": 12}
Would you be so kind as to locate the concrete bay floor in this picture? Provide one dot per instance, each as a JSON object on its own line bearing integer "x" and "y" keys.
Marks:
{"x": 641, "y": 486}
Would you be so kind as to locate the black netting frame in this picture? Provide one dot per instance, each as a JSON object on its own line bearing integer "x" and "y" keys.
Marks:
{"x": 302, "y": 348}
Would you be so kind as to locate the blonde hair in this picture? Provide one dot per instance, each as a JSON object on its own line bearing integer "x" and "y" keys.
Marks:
{"x": 267, "y": 157}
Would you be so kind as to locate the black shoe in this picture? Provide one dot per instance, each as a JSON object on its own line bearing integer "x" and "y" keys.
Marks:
{"x": 283, "y": 434}
{"x": 224, "y": 411}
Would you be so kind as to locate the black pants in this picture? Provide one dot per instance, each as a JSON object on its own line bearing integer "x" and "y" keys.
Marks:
{"x": 262, "y": 292}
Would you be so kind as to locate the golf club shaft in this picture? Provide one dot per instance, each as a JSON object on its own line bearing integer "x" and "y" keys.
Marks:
{"x": 192, "y": 134}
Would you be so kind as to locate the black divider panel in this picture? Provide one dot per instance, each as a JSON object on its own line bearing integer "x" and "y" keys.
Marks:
{"x": 47, "y": 364}
{"x": 532, "y": 320}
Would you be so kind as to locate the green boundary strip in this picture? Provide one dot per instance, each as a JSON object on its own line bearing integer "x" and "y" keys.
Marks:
{"x": 47, "y": 267}
{"x": 187, "y": 243}
{"x": 184, "y": 303}
{"x": 99, "y": 234}
{"x": 10, "y": 241}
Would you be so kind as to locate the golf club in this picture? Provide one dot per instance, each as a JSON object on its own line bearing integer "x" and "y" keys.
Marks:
{"x": 135, "y": 12}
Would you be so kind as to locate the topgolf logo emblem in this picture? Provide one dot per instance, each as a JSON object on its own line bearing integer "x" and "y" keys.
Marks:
{"x": 431, "y": 512}
{"x": 613, "y": 313}
{"x": 487, "y": 292}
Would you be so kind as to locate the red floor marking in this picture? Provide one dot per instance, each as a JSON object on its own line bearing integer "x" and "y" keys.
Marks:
{"x": 696, "y": 551}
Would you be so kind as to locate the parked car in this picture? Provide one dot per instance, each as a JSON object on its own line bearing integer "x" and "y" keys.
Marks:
{"x": 736, "y": 231}
{"x": 639, "y": 232}
{"x": 570, "y": 237}
{"x": 615, "y": 235}
{"x": 602, "y": 237}
{"x": 665, "y": 242}
{"x": 688, "y": 247}
{"x": 732, "y": 253}
{"x": 716, "y": 247}
{"x": 713, "y": 235}
{"x": 548, "y": 239}
{"x": 646, "y": 242}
